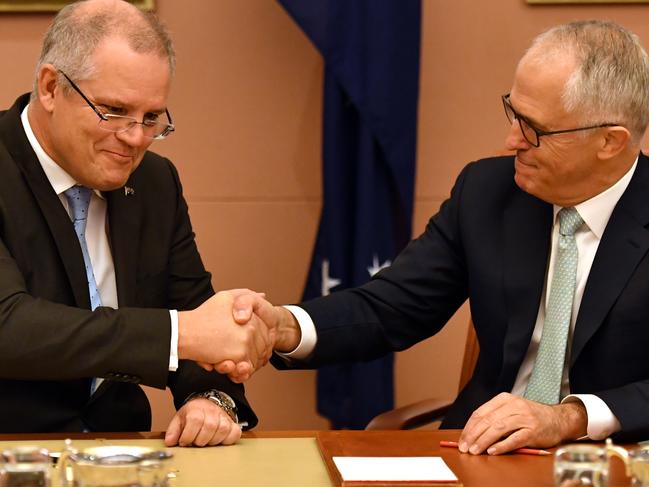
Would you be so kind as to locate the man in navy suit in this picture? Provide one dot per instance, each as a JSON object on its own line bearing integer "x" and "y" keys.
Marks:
{"x": 578, "y": 109}
{"x": 87, "y": 315}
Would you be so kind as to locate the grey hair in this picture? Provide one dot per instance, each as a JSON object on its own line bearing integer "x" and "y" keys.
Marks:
{"x": 77, "y": 31}
{"x": 610, "y": 83}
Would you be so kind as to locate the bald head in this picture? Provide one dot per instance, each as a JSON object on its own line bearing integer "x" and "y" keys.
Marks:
{"x": 79, "y": 28}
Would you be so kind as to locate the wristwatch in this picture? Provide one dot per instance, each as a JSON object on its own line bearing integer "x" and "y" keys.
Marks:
{"x": 221, "y": 399}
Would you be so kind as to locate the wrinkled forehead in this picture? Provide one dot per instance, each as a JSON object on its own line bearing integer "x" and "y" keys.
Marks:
{"x": 538, "y": 87}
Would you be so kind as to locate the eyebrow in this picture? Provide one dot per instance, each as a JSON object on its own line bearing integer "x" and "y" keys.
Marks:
{"x": 114, "y": 102}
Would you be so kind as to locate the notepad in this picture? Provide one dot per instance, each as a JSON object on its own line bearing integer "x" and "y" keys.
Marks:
{"x": 394, "y": 469}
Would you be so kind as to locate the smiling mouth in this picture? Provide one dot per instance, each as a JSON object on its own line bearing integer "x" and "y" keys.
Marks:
{"x": 527, "y": 164}
{"x": 119, "y": 155}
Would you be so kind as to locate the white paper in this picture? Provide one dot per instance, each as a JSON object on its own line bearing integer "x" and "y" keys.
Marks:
{"x": 432, "y": 469}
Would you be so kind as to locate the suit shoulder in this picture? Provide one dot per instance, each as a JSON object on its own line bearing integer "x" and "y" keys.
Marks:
{"x": 498, "y": 166}
{"x": 154, "y": 166}
{"x": 493, "y": 174}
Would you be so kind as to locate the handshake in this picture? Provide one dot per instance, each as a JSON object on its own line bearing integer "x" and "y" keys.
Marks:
{"x": 235, "y": 332}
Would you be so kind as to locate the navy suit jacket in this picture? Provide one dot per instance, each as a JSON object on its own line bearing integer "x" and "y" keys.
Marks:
{"x": 51, "y": 344}
{"x": 490, "y": 243}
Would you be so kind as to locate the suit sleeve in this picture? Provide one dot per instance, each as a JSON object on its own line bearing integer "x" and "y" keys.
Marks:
{"x": 404, "y": 303}
{"x": 43, "y": 340}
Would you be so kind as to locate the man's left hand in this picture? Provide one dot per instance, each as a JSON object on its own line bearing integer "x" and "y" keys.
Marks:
{"x": 508, "y": 422}
{"x": 201, "y": 422}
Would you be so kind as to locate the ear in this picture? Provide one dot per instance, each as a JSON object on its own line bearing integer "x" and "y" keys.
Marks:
{"x": 48, "y": 82}
{"x": 614, "y": 141}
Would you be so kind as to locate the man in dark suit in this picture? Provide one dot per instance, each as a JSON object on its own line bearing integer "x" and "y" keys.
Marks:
{"x": 88, "y": 313}
{"x": 549, "y": 246}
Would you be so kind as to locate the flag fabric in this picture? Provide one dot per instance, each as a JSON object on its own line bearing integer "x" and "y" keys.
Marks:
{"x": 371, "y": 60}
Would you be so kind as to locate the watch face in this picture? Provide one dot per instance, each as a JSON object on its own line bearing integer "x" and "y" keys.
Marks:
{"x": 227, "y": 400}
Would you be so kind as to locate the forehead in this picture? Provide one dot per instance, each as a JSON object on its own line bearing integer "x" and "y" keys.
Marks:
{"x": 538, "y": 86}
{"x": 134, "y": 79}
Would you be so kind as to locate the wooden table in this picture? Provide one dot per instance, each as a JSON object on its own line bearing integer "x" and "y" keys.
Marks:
{"x": 292, "y": 458}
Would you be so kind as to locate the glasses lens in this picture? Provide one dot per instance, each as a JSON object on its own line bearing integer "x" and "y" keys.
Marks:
{"x": 528, "y": 132}
{"x": 509, "y": 111}
{"x": 151, "y": 129}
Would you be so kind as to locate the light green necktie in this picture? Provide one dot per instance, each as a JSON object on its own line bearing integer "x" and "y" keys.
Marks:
{"x": 545, "y": 383}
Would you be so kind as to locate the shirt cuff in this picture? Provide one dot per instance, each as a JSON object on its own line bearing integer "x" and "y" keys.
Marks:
{"x": 601, "y": 420}
{"x": 173, "y": 346}
{"x": 309, "y": 337}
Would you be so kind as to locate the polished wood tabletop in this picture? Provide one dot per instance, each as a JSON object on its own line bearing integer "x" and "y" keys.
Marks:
{"x": 286, "y": 458}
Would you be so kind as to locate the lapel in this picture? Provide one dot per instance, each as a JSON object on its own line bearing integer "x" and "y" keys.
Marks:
{"x": 624, "y": 243}
{"x": 54, "y": 214}
{"x": 527, "y": 223}
{"x": 124, "y": 221}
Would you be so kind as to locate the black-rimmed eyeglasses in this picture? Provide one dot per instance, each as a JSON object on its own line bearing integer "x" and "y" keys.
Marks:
{"x": 121, "y": 123}
{"x": 531, "y": 133}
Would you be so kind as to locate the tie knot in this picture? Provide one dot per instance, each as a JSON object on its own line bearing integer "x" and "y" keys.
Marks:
{"x": 78, "y": 198}
{"x": 569, "y": 221}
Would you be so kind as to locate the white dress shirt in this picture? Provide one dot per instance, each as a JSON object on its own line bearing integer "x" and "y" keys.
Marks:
{"x": 595, "y": 212}
{"x": 99, "y": 250}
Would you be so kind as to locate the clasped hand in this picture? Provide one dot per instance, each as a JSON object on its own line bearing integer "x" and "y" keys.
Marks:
{"x": 210, "y": 335}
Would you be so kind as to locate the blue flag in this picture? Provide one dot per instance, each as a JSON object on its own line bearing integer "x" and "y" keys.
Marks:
{"x": 371, "y": 54}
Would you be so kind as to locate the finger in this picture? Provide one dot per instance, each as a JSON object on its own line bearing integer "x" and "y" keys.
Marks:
{"x": 238, "y": 378}
{"x": 496, "y": 429}
{"x": 242, "y": 372}
{"x": 225, "y": 367}
{"x": 173, "y": 431}
{"x": 244, "y": 368}
{"x": 222, "y": 434}
{"x": 478, "y": 422}
{"x": 206, "y": 366}
{"x": 194, "y": 418}
{"x": 233, "y": 434}
{"x": 518, "y": 439}
{"x": 211, "y": 425}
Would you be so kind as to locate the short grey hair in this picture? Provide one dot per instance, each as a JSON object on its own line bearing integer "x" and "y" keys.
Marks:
{"x": 610, "y": 83}
{"x": 77, "y": 31}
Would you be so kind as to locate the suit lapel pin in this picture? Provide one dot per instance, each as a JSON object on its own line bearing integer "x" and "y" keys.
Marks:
{"x": 128, "y": 191}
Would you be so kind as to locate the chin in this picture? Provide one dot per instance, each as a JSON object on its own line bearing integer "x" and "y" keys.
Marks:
{"x": 525, "y": 184}
{"x": 110, "y": 184}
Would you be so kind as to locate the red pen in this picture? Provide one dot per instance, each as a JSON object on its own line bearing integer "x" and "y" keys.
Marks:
{"x": 524, "y": 451}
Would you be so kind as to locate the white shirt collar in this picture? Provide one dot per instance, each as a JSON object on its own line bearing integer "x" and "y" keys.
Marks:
{"x": 597, "y": 210}
{"x": 60, "y": 180}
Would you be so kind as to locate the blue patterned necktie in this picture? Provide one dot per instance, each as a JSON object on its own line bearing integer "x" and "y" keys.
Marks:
{"x": 545, "y": 382}
{"x": 79, "y": 200}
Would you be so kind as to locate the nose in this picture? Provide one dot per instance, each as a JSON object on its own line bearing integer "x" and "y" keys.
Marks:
{"x": 515, "y": 139}
{"x": 134, "y": 136}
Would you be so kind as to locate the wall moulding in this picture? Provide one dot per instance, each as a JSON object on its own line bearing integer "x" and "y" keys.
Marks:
{"x": 56, "y": 5}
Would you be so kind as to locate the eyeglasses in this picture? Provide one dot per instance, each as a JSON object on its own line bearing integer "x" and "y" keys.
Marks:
{"x": 531, "y": 133}
{"x": 121, "y": 123}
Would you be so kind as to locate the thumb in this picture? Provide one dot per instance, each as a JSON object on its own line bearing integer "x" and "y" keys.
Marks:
{"x": 243, "y": 305}
{"x": 173, "y": 431}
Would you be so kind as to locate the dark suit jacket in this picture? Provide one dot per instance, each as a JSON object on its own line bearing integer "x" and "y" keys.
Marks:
{"x": 50, "y": 343}
{"x": 490, "y": 243}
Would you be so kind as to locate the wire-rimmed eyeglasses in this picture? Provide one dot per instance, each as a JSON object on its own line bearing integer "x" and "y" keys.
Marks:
{"x": 531, "y": 133}
{"x": 121, "y": 123}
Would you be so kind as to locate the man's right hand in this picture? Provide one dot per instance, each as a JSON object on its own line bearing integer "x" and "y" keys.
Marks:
{"x": 246, "y": 307}
{"x": 210, "y": 335}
